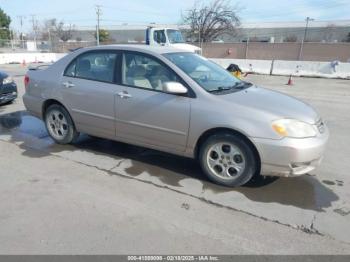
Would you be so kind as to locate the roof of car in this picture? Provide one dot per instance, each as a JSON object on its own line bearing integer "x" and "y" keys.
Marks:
{"x": 154, "y": 49}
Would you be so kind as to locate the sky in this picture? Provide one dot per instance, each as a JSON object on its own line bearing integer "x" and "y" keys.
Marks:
{"x": 82, "y": 12}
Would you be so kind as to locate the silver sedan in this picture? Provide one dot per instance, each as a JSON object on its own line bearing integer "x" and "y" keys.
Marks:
{"x": 181, "y": 103}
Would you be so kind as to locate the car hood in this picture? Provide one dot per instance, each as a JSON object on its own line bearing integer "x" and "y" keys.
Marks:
{"x": 275, "y": 104}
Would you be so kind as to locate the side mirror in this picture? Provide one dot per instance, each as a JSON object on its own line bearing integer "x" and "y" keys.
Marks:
{"x": 174, "y": 88}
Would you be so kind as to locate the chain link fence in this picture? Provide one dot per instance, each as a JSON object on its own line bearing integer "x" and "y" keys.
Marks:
{"x": 253, "y": 50}
{"x": 19, "y": 46}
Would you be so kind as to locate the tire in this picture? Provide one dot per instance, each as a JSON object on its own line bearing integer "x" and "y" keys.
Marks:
{"x": 60, "y": 125}
{"x": 228, "y": 160}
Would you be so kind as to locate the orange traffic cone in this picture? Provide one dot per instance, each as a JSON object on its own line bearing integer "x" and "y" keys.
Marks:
{"x": 290, "y": 81}
{"x": 24, "y": 63}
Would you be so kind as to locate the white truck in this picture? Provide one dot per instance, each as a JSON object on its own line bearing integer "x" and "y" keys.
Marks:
{"x": 169, "y": 37}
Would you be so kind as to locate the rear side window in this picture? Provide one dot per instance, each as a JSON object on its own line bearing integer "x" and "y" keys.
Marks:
{"x": 70, "y": 71}
{"x": 97, "y": 66}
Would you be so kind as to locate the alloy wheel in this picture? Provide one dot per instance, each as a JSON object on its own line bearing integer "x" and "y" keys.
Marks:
{"x": 225, "y": 160}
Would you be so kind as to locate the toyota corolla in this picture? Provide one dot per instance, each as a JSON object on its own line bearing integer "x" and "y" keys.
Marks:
{"x": 178, "y": 102}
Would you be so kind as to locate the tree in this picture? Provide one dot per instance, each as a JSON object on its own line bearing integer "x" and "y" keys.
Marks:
{"x": 58, "y": 30}
{"x": 5, "y": 21}
{"x": 208, "y": 22}
{"x": 46, "y": 31}
{"x": 64, "y": 32}
{"x": 103, "y": 35}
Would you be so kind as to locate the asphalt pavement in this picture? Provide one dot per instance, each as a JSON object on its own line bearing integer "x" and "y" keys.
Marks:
{"x": 102, "y": 196}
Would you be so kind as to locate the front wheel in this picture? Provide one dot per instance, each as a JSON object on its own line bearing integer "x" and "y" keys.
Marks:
{"x": 60, "y": 125}
{"x": 228, "y": 160}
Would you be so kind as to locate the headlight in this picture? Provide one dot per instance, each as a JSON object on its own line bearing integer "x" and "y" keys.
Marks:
{"x": 7, "y": 80}
{"x": 293, "y": 128}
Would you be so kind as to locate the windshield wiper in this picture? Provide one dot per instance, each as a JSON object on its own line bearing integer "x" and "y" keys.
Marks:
{"x": 220, "y": 88}
{"x": 238, "y": 85}
{"x": 242, "y": 85}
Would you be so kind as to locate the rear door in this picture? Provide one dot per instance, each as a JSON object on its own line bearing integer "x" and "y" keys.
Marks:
{"x": 146, "y": 114}
{"x": 88, "y": 88}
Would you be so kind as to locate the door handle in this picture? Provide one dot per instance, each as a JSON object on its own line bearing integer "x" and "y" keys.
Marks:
{"x": 124, "y": 94}
{"x": 68, "y": 84}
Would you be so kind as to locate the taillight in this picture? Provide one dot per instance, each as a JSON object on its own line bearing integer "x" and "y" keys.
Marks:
{"x": 26, "y": 81}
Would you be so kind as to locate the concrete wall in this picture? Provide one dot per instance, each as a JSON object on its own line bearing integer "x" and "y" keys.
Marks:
{"x": 279, "y": 51}
{"x": 295, "y": 68}
{"x": 312, "y": 69}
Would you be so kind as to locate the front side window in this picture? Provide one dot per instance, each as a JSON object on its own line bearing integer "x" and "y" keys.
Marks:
{"x": 175, "y": 36}
{"x": 145, "y": 72}
{"x": 207, "y": 74}
{"x": 98, "y": 66}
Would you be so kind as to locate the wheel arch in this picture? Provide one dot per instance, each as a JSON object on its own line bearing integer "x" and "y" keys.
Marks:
{"x": 217, "y": 130}
{"x": 48, "y": 103}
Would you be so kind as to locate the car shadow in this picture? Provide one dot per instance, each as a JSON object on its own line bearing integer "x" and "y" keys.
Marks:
{"x": 305, "y": 192}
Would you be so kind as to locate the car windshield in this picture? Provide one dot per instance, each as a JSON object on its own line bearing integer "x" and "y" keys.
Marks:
{"x": 210, "y": 76}
{"x": 174, "y": 36}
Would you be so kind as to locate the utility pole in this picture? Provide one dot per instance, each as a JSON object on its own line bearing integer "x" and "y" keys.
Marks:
{"x": 199, "y": 38}
{"x": 21, "y": 17}
{"x": 34, "y": 28}
{"x": 98, "y": 14}
{"x": 50, "y": 40}
{"x": 308, "y": 19}
{"x": 11, "y": 38}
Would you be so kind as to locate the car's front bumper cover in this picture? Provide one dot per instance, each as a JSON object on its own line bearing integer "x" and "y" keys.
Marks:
{"x": 4, "y": 98}
{"x": 8, "y": 92}
{"x": 291, "y": 156}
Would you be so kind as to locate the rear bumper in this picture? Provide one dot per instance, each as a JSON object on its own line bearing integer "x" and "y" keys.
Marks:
{"x": 33, "y": 105}
{"x": 291, "y": 156}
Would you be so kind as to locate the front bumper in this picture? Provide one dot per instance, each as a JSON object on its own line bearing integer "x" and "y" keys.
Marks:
{"x": 4, "y": 98}
{"x": 291, "y": 156}
{"x": 8, "y": 92}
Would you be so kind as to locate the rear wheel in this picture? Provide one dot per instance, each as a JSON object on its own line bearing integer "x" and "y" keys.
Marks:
{"x": 228, "y": 160}
{"x": 60, "y": 125}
